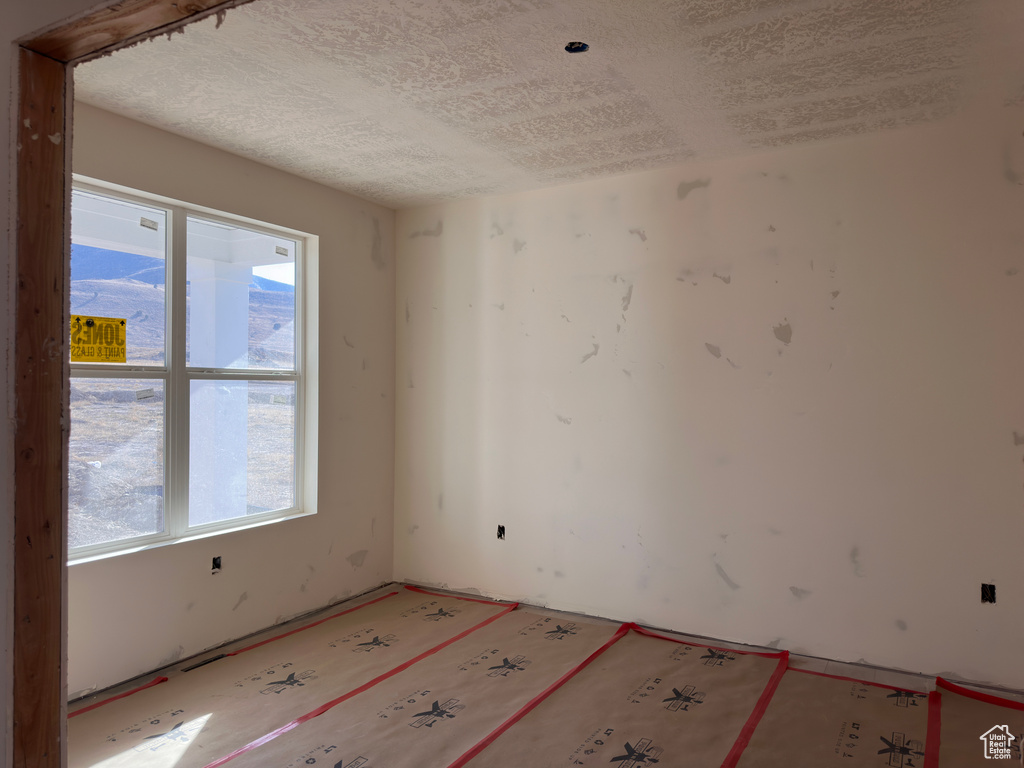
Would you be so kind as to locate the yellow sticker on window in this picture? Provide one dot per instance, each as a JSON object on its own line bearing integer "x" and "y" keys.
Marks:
{"x": 98, "y": 339}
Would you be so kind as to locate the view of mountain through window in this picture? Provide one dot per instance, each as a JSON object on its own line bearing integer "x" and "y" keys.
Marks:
{"x": 187, "y": 433}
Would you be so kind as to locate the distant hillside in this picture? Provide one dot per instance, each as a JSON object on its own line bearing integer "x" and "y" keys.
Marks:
{"x": 89, "y": 263}
{"x": 114, "y": 284}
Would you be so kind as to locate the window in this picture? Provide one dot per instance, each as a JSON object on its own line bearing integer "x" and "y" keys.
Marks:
{"x": 190, "y": 419}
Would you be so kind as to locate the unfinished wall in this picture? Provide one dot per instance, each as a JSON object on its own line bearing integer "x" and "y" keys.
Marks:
{"x": 774, "y": 399}
{"x": 17, "y": 19}
{"x": 133, "y": 613}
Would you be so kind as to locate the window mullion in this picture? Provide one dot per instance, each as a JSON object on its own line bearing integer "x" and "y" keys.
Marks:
{"x": 178, "y": 402}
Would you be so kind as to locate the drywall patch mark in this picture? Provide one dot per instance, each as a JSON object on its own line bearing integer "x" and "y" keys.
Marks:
{"x": 348, "y": 343}
{"x": 222, "y": 14}
{"x": 189, "y": 607}
{"x": 559, "y": 575}
{"x": 500, "y": 306}
{"x": 639, "y": 233}
{"x": 771, "y": 228}
{"x": 730, "y": 362}
{"x": 628, "y": 373}
{"x": 358, "y": 558}
{"x": 1018, "y": 438}
{"x": 567, "y": 420}
{"x": 435, "y": 232}
{"x": 798, "y": 593}
{"x": 411, "y": 384}
{"x": 407, "y": 313}
{"x": 241, "y": 599}
{"x": 377, "y": 247}
{"x": 835, "y": 294}
{"x": 1011, "y": 272}
{"x": 496, "y": 230}
{"x": 724, "y": 278}
{"x": 1008, "y": 171}
{"x": 716, "y": 351}
{"x": 686, "y": 187}
{"x": 774, "y": 643}
{"x": 172, "y": 657}
{"x": 783, "y": 332}
{"x": 589, "y": 355}
{"x": 725, "y": 577}
{"x": 774, "y": 531}
{"x": 412, "y": 529}
{"x": 858, "y": 569}
{"x": 627, "y": 299}
{"x": 566, "y": 319}
{"x": 364, "y": 368}
{"x": 901, "y": 625}
{"x": 518, "y": 245}
{"x": 440, "y": 501}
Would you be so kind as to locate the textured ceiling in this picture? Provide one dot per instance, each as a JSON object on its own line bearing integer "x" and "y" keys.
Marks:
{"x": 406, "y": 102}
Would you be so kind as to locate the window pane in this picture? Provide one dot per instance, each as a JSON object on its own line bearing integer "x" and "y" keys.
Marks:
{"x": 241, "y": 449}
{"x": 241, "y": 298}
{"x": 118, "y": 269}
{"x": 115, "y": 460}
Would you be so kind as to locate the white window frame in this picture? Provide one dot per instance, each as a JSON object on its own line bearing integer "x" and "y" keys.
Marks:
{"x": 177, "y": 376}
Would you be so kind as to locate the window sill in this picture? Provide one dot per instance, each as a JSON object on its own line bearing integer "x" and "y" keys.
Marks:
{"x": 90, "y": 557}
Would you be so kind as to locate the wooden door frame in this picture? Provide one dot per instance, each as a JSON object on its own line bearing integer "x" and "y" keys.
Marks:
{"x": 41, "y": 262}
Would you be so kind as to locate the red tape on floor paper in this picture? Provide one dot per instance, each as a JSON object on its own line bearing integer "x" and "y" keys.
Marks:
{"x": 933, "y": 740}
{"x": 457, "y": 597}
{"x": 356, "y": 691}
{"x": 309, "y": 626}
{"x": 150, "y": 684}
{"x": 854, "y": 680}
{"x": 763, "y": 701}
{"x": 532, "y": 704}
{"x": 988, "y": 698}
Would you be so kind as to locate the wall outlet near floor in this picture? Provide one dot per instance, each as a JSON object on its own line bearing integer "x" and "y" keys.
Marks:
{"x": 501, "y": 531}
{"x": 988, "y": 593}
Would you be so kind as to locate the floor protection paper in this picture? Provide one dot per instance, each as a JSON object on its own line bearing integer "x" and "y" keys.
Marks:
{"x": 646, "y": 700}
{"x": 820, "y": 720}
{"x": 432, "y": 714}
{"x": 969, "y": 729}
{"x": 208, "y": 712}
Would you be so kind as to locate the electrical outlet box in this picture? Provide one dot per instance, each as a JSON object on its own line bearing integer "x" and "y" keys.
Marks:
{"x": 215, "y": 567}
{"x": 501, "y": 531}
{"x": 988, "y": 593}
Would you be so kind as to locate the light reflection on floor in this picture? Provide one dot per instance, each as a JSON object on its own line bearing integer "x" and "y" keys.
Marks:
{"x": 163, "y": 750}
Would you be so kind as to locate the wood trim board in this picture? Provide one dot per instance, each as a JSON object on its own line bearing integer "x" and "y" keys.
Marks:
{"x": 40, "y": 263}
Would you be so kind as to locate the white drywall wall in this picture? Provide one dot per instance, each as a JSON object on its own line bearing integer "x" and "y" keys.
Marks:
{"x": 775, "y": 399}
{"x": 133, "y": 613}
